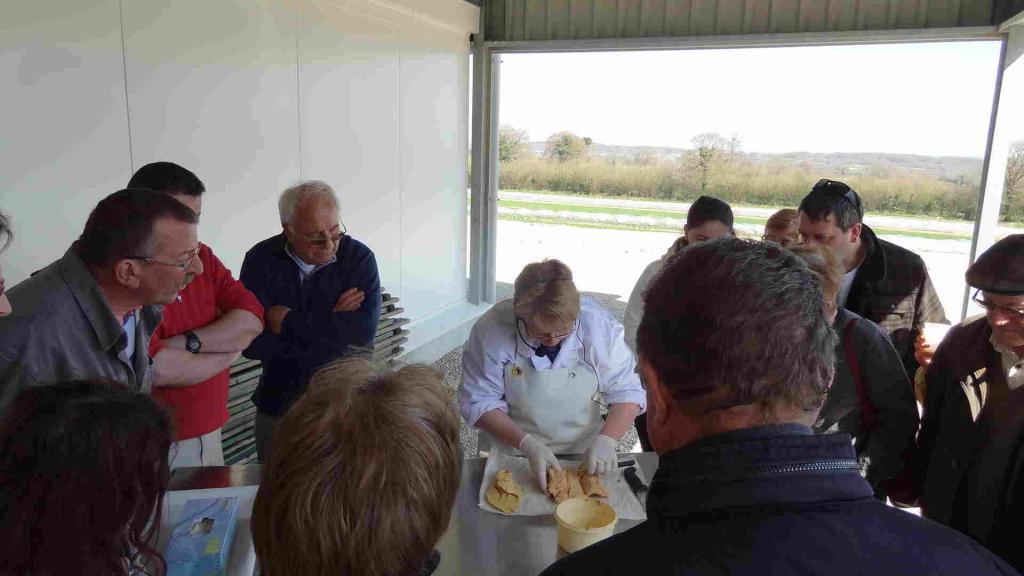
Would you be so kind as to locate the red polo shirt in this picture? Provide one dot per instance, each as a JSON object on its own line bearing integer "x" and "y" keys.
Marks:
{"x": 201, "y": 408}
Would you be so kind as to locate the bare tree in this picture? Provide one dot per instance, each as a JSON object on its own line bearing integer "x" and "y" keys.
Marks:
{"x": 708, "y": 148}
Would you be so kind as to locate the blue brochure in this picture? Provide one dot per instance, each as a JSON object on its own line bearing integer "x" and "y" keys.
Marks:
{"x": 201, "y": 542}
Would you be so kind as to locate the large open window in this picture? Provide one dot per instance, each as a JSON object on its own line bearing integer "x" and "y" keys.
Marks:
{"x": 601, "y": 152}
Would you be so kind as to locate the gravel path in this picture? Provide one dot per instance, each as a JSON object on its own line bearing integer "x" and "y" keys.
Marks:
{"x": 451, "y": 365}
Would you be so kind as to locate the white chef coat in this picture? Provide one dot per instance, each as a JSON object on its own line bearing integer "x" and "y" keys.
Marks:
{"x": 493, "y": 343}
{"x": 635, "y": 306}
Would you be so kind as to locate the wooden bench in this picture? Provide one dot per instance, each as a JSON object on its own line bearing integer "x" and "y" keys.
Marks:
{"x": 238, "y": 440}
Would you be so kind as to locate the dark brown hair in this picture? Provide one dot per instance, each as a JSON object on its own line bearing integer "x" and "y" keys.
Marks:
{"x": 121, "y": 225}
{"x": 833, "y": 198}
{"x": 167, "y": 177}
{"x": 734, "y": 322}
{"x": 83, "y": 471}
{"x": 362, "y": 476}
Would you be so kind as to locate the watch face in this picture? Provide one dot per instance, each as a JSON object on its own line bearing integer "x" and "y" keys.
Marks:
{"x": 192, "y": 343}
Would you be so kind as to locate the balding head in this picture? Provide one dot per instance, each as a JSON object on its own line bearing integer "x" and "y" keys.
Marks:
{"x": 311, "y": 221}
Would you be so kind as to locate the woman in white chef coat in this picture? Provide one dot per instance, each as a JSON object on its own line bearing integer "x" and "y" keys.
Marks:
{"x": 537, "y": 368}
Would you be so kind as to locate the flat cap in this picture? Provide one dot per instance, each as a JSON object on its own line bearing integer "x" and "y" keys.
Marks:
{"x": 1000, "y": 269}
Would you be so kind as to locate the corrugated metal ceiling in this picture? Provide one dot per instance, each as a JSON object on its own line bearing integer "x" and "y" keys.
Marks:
{"x": 539, "y": 20}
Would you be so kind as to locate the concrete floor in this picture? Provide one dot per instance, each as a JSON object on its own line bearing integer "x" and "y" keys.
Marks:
{"x": 451, "y": 366}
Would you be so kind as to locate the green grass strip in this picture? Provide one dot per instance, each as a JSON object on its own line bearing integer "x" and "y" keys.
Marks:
{"x": 660, "y": 213}
{"x": 907, "y": 215}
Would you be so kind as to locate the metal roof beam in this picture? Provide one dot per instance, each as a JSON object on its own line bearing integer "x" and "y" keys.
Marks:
{"x": 972, "y": 33}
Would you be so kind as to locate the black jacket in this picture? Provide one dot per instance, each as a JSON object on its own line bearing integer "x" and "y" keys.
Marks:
{"x": 312, "y": 333}
{"x": 893, "y": 289}
{"x": 775, "y": 500}
{"x": 881, "y": 413}
{"x": 972, "y": 471}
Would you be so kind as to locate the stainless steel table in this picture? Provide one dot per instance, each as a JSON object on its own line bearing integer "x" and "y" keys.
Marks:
{"x": 477, "y": 542}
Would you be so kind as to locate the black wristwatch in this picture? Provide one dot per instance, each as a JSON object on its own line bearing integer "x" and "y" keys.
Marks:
{"x": 192, "y": 343}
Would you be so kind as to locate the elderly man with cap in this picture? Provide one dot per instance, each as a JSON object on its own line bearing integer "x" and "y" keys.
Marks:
{"x": 969, "y": 460}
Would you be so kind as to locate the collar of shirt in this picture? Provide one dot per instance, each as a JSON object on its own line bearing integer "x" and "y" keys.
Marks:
{"x": 307, "y": 270}
{"x": 1013, "y": 364}
{"x": 129, "y": 324}
{"x": 847, "y": 286}
{"x": 90, "y": 299}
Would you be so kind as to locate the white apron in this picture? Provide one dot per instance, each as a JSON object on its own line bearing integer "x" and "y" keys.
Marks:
{"x": 555, "y": 405}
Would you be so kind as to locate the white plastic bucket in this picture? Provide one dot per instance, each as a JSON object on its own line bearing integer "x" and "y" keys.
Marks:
{"x": 582, "y": 522}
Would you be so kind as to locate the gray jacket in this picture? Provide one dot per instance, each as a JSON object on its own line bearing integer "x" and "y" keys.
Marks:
{"x": 885, "y": 435}
{"x": 62, "y": 329}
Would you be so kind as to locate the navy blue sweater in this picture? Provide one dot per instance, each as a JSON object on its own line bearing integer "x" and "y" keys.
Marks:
{"x": 775, "y": 500}
{"x": 312, "y": 334}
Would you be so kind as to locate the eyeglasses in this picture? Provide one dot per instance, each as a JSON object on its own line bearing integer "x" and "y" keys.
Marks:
{"x": 1015, "y": 313}
{"x": 183, "y": 265}
{"x": 322, "y": 239}
{"x": 839, "y": 189}
{"x": 543, "y": 336}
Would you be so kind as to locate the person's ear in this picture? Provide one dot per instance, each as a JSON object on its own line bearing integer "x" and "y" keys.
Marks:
{"x": 127, "y": 272}
{"x": 659, "y": 399}
{"x": 855, "y": 232}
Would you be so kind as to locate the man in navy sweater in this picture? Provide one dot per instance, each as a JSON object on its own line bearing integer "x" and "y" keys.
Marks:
{"x": 737, "y": 354}
{"x": 321, "y": 292}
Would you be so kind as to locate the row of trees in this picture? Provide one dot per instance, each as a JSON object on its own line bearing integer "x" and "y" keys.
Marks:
{"x": 716, "y": 165}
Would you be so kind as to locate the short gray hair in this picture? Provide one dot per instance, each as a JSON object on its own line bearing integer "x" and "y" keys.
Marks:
{"x": 292, "y": 197}
{"x": 734, "y": 322}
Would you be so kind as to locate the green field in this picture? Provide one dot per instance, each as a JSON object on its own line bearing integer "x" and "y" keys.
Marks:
{"x": 662, "y": 213}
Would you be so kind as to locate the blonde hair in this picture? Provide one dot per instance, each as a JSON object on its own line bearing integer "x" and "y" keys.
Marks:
{"x": 785, "y": 221}
{"x": 825, "y": 267}
{"x": 363, "y": 474}
{"x": 545, "y": 291}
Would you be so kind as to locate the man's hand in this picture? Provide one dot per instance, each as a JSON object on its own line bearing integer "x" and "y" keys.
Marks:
{"x": 349, "y": 301}
{"x": 274, "y": 317}
{"x": 923, "y": 352}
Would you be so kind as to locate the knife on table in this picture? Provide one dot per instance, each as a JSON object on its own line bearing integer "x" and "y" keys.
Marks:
{"x": 636, "y": 485}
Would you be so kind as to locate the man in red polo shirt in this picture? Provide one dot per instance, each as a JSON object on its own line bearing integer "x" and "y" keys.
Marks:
{"x": 202, "y": 333}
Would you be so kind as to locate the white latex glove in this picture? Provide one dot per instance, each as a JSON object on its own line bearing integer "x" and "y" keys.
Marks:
{"x": 601, "y": 457}
{"x": 540, "y": 457}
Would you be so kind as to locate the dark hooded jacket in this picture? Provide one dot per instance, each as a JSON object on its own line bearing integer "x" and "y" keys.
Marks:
{"x": 893, "y": 289}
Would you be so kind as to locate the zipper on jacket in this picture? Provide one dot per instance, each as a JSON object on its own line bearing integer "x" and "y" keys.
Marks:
{"x": 834, "y": 465}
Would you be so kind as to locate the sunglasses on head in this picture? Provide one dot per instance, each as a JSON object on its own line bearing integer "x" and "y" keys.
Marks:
{"x": 838, "y": 189}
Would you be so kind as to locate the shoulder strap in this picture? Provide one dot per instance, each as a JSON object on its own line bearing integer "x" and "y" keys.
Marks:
{"x": 868, "y": 415}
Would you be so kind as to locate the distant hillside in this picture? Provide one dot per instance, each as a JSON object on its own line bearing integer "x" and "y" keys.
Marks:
{"x": 954, "y": 169}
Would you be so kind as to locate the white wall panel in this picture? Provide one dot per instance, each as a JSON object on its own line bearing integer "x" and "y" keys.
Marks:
{"x": 434, "y": 124}
{"x": 212, "y": 86}
{"x": 349, "y": 86}
{"x": 64, "y": 136}
{"x": 368, "y": 95}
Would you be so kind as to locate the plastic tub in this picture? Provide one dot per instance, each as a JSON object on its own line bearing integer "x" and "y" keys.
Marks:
{"x": 582, "y": 522}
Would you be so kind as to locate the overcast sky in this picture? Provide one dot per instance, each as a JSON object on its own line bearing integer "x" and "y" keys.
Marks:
{"x": 932, "y": 99}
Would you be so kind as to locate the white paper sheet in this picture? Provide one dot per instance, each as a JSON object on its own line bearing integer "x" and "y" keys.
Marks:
{"x": 536, "y": 503}
{"x": 243, "y": 556}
